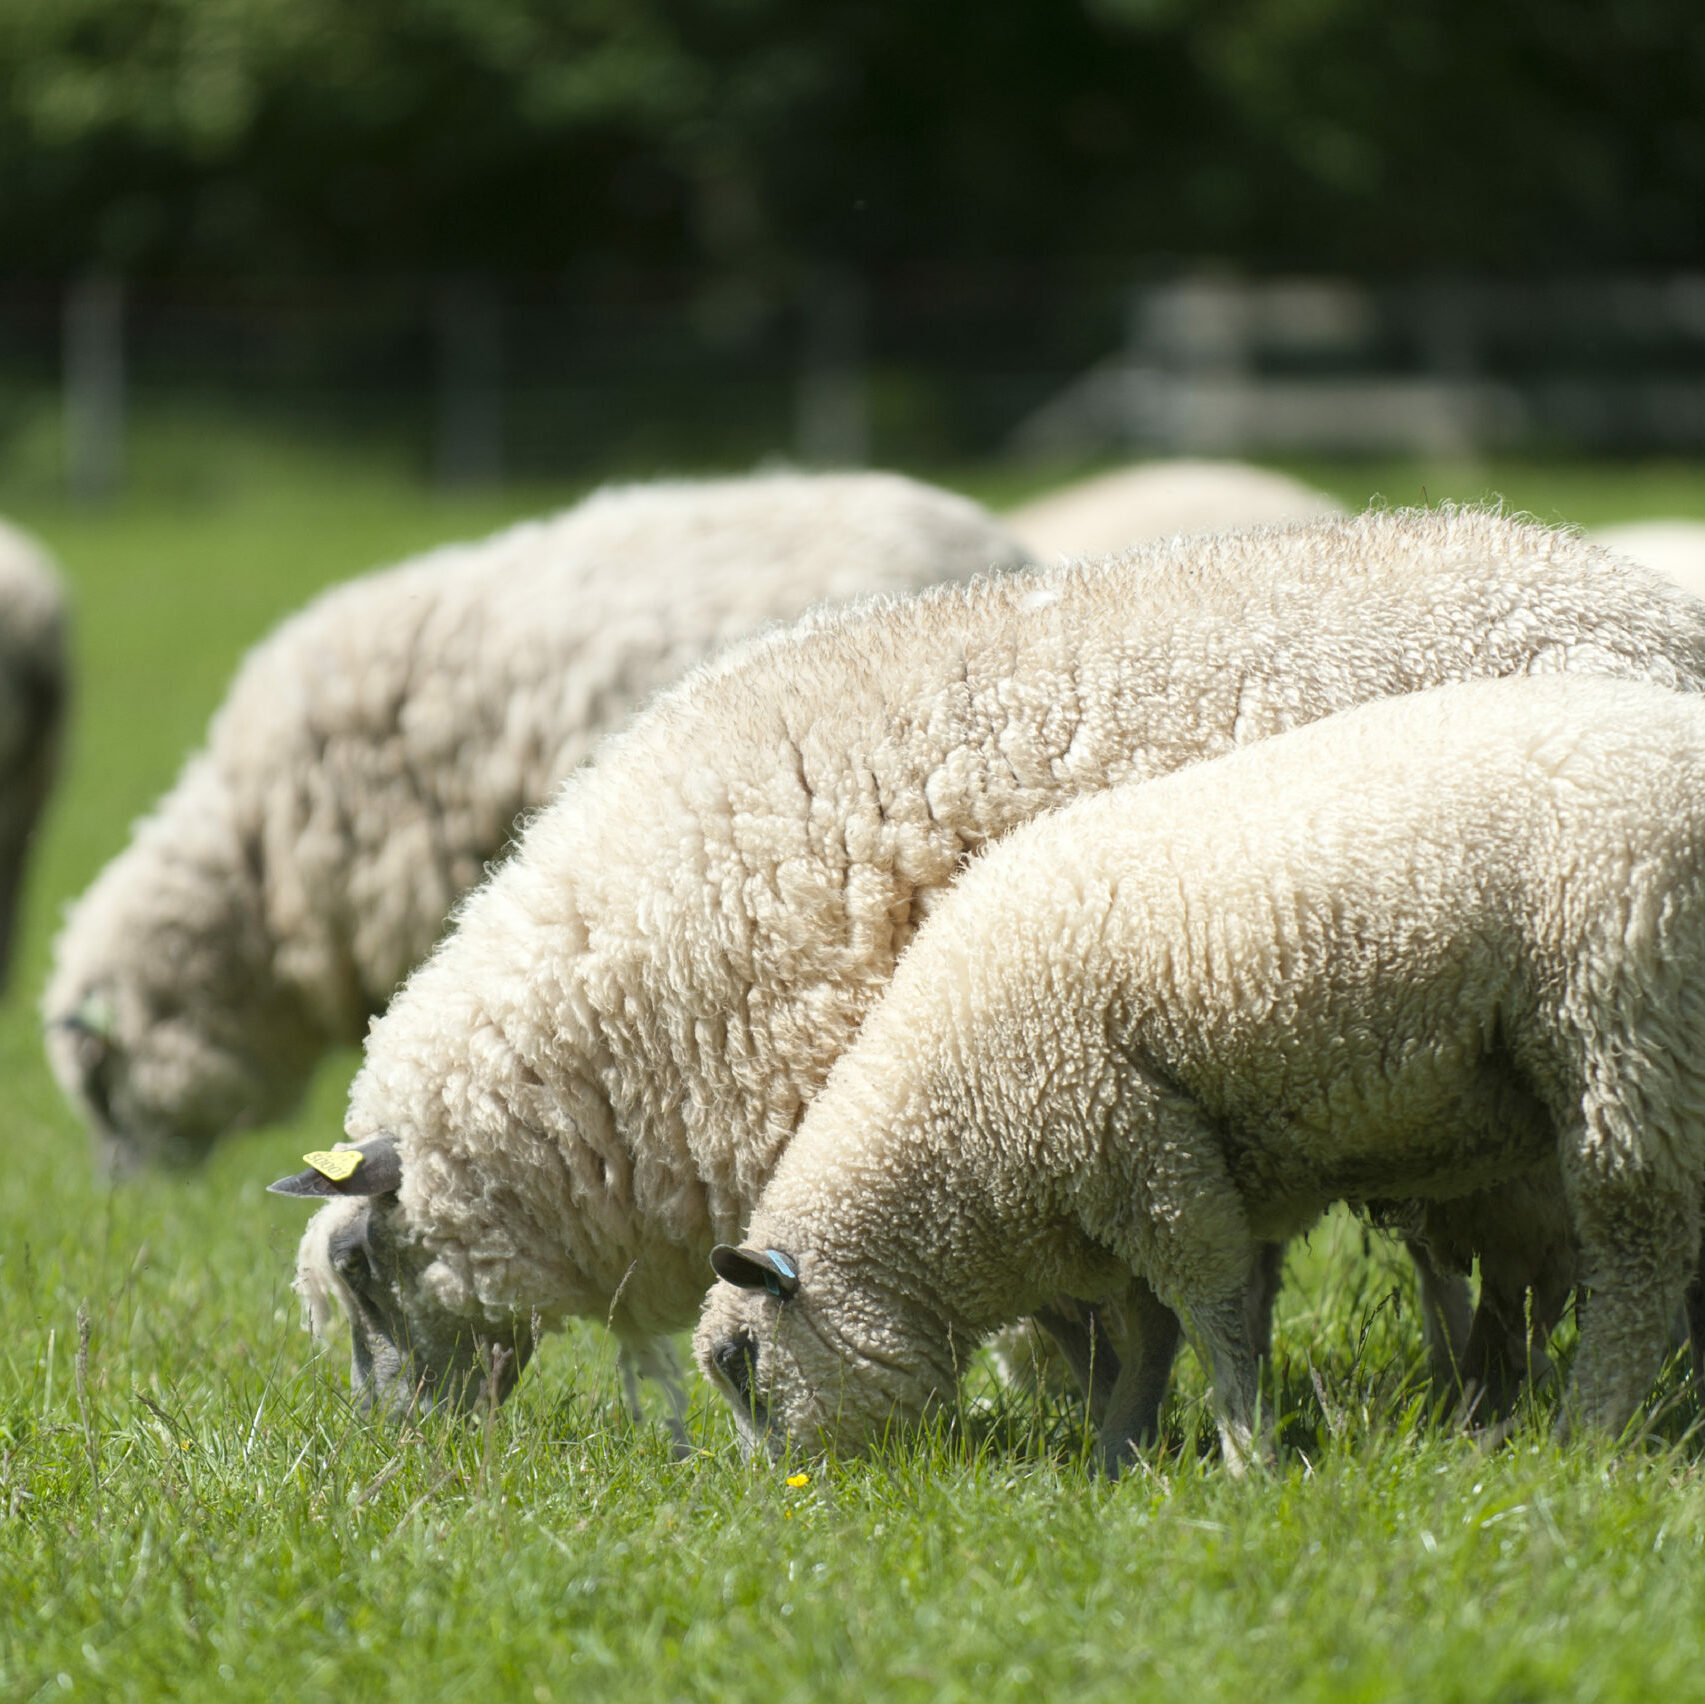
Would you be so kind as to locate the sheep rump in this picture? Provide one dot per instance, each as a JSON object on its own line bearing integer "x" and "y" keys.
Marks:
{"x": 375, "y": 751}
{"x": 35, "y": 690}
{"x": 1673, "y": 548}
{"x": 592, "y": 1078}
{"x": 1162, "y": 499}
{"x": 1425, "y": 948}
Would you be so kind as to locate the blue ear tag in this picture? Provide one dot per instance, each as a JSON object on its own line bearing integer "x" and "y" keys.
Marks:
{"x": 785, "y": 1280}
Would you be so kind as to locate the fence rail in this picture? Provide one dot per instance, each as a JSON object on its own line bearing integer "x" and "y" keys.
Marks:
{"x": 570, "y": 377}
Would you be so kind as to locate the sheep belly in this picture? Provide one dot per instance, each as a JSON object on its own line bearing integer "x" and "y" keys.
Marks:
{"x": 1423, "y": 1134}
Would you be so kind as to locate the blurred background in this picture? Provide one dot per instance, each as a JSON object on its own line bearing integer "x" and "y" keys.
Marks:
{"x": 476, "y": 241}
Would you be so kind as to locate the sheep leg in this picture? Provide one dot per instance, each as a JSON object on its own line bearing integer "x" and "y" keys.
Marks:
{"x": 1694, "y": 1305}
{"x": 1262, "y": 1294}
{"x": 1130, "y": 1416}
{"x": 1081, "y": 1334}
{"x": 1222, "y": 1329}
{"x": 1446, "y": 1315}
{"x": 1638, "y": 1237}
{"x": 1520, "y": 1305}
{"x": 1183, "y": 1228}
{"x": 654, "y": 1358}
{"x": 1519, "y": 1231}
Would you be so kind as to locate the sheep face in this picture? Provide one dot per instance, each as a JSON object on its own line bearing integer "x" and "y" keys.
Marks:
{"x": 166, "y": 1023}
{"x": 409, "y": 1354}
{"x": 807, "y": 1364}
{"x": 160, "y": 1072}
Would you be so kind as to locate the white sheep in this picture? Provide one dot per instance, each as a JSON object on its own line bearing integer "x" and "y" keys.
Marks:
{"x": 591, "y": 1080}
{"x": 1675, "y": 549}
{"x": 374, "y": 752}
{"x": 35, "y": 688}
{"x": 1419, "y": 948}
{"x": 1162, "y": 499}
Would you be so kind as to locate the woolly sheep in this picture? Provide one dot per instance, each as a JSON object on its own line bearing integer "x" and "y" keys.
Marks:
{"x": 591, "y": 1080}
{"x": 1414, "y": 950}
{"x": 374, "y": 753}
{"x": 1113, "y": 511}
{"x": 35, "y": 681}
{"x": 1526, "y": 1287}
{"x": 1675, "y": 549}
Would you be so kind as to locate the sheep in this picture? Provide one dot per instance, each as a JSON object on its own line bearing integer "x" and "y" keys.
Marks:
{"x": 590, "y": 1081}
{"x": 35, "y": 688}
{"x": 1675, "y": 549}
{"x": 375, "y": 751}
{"x": 1419, "y": 948}
{"x": 1111, "y": 512}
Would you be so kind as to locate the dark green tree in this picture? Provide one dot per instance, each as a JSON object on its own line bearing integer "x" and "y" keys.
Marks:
{"x": 760, "y": 135}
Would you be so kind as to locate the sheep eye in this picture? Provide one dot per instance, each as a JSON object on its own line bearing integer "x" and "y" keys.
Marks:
{"x": 353, "y": 1266}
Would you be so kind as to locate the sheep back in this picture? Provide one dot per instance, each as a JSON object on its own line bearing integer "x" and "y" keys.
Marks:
{"x": 1161, "y": 499}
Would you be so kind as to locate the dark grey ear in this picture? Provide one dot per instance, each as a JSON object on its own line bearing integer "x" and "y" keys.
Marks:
{"x": 756, "y": 1269}
{"x": 377, "y": 1170}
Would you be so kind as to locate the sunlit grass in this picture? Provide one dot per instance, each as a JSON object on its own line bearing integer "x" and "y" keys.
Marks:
{"x": 189, "y": 1507}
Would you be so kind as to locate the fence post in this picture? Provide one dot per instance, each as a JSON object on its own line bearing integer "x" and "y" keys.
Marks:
{"x": 93, "y": 381}
{"x": 831, "y": 412}
{"x": 468, "y": 323}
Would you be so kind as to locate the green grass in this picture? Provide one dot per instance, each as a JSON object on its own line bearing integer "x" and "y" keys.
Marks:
{"x": 188, "y": 1508}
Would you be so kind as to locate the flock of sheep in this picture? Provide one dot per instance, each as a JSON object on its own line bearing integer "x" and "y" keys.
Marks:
{"x": 797, "y": 882}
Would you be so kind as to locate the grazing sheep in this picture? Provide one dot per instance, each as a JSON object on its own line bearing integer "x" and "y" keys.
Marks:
{"x": 1675, "y": 549}
{"x": 374, "y": 753}
{"x": 591, "y": 1080}
{"x": 1113, "y": 511}
{"x": 35, "y": 682}
{"x": 1417, "y": 949}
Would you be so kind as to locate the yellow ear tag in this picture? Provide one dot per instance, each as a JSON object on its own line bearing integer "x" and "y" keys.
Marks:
{"x": 338, "y": 1164}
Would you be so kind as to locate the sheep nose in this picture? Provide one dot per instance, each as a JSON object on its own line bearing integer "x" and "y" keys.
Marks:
{"x": 736, "y": 1358}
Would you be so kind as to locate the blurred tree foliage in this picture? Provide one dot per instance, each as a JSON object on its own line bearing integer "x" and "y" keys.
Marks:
{"x": 756, "y": 135}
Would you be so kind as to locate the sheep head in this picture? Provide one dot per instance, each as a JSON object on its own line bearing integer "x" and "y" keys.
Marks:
{"x": 409, "y": 1354}
{"x": 165, "y": 1023}
{"x": 809, "y": 1359}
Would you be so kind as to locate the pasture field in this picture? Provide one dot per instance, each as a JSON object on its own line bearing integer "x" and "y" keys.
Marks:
{"x": 189, "y": 1508}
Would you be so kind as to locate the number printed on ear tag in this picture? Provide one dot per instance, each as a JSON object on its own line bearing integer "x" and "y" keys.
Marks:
{"x": 338, "y": 1163}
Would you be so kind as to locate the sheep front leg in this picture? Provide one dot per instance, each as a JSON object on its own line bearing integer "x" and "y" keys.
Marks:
{"x": 654, "y": 1358}
{"x": 1222, "y": 1328}
{"x": 1638, "y": 1239}
{"x": 1181, "y": 1227}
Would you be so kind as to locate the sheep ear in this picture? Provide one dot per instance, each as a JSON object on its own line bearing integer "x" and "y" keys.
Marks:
{"x": 756, "y": 1269}
{"x": 374, "y": 1168}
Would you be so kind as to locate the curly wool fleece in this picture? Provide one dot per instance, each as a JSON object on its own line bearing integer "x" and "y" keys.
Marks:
{"x": 593, "y": 1077}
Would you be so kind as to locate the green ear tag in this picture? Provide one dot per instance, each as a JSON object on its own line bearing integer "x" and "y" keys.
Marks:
{"x": 338, "y": 1164}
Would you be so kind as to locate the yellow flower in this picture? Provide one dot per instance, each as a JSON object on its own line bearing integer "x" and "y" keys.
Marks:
{"x": 798, "y": 1479}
